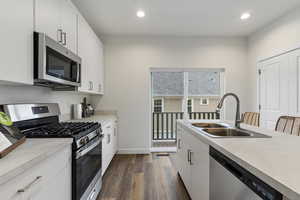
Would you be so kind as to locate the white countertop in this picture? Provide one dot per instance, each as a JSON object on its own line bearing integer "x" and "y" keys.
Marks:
{"x": 274, "y": 160}
{"x": 98, "y": 117}
{"x": 29, "y": 154}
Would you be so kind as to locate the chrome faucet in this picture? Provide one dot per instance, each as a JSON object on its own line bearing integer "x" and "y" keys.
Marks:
{"x": 237, "y": 115}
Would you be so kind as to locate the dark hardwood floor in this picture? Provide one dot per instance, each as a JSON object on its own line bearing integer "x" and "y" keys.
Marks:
{"x": 139, "y": 177}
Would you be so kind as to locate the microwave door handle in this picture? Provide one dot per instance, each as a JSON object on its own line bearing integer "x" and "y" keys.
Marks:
{"x": 78, "y": 73}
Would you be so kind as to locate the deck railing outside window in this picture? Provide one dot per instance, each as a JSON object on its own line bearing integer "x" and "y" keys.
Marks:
{"x": 164, "y": 123}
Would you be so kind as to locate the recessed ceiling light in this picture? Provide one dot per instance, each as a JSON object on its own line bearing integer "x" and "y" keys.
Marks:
{"x": 245, "y": 16}
{"x": 140, "y": 13}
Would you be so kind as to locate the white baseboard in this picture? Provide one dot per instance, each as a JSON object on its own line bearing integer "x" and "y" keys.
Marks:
{"x": 133, "y": 151}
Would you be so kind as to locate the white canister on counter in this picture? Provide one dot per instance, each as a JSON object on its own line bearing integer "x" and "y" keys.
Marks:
{"x": 77, "y": 111}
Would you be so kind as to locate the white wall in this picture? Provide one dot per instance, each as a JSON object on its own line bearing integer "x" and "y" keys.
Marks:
{"x": 281, "y": 35}
{"x": 34, "y": 94}
{"x": 127, "y": 85}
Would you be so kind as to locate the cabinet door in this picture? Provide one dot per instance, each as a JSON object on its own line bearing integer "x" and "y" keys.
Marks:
{"x": 94, "y": 69}
{"x": 51, "y": 176}
{"x": 99, "y": 68}
{"x": 69, "y": 25}
{"x": 48, "y": 18}
{"x": 16, "y": 41}
{"x": 84, "y": 51}
{"x": 59, "y": 186}
{"x": 199, "y": 169}
{"x": 107, "y": 147}
{"x": 175, "y": 157}
{"x": 115, "y": 138}
{"x": 185, "y": 168}
{"x": 95, "y": 72}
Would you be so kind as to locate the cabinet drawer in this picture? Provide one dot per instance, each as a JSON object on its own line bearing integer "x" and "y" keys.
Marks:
{"x": 33, "y": 180}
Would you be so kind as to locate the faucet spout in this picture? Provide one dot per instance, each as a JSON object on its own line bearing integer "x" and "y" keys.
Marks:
{"x": 237, "y": 114}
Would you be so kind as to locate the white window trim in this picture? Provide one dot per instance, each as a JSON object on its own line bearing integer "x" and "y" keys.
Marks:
{"x": 202, "y": 104}
{"x": 162, "y": 104}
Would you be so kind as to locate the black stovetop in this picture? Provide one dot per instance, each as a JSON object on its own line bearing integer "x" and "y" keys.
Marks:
{"x": 63, "y": 130}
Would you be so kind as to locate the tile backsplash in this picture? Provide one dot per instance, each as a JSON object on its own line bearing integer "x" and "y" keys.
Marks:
{"x": 34, "y": 94}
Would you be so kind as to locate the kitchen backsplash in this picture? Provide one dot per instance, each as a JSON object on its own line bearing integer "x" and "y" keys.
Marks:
{"x": 34, "y": 94}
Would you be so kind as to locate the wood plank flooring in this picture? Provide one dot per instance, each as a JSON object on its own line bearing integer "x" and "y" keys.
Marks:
{"x": 142, "y": 177}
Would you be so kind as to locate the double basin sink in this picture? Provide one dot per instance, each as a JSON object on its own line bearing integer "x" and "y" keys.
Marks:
{"x": 218, "y": 130}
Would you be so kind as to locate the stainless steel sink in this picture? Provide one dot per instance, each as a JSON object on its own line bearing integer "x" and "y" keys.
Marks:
{"x": 230, "y": 133}
{"x": 208, "y": 125}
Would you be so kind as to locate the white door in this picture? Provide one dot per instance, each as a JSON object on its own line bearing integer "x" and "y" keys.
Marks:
{"x": 48, "y": 18}
{"x": 273, "y": 90}
{"x": 294, "y": 83}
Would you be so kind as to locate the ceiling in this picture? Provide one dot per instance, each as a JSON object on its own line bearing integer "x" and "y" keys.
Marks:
{"x": 181, "y": 17}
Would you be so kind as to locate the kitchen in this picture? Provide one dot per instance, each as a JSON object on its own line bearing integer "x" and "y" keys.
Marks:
{"x": 112, "y": 48}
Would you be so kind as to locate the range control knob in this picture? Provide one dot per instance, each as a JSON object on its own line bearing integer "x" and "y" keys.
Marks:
{"x": 82, "y": 141}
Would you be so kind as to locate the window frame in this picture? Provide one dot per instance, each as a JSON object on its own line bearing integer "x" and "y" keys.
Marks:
{"x": 201, "y": 101}
{"x": 162, "y": 104}
{"x": 192, "y": 105}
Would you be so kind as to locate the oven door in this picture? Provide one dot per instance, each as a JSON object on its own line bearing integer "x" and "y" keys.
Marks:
{"x": 87, "y": 169}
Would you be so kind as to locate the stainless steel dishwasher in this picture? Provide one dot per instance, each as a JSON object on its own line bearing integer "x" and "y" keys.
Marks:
{"x": 229, "y": 181}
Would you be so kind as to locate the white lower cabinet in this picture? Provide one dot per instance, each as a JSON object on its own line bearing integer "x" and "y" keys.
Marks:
{"x": 51, "y": 179}
{"x": 192, "y": 163}
{"x": 199, "y": 169}
{"x": 109, "y": 144}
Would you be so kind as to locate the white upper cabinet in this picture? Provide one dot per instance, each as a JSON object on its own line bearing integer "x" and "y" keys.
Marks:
{"x": 84, "y": 44}
{"x": 99, "y": 69}
{"x": 58, "y": 19}
{"x": 48, "y": 18}
{"x": 16, "y": 63}
{"x": 69, "y": 25}
{"x": 90, "y": 49}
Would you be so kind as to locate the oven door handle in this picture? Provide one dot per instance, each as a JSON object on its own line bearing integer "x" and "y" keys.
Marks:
{"x": 81, "y": 153}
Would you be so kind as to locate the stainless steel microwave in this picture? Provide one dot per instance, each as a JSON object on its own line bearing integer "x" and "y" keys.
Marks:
{"x": 55, "y": 66}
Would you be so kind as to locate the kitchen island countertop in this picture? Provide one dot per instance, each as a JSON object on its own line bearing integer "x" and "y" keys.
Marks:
{"x": 274, "y": 160}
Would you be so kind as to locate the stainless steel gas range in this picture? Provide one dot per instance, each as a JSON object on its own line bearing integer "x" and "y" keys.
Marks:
{"x": 42, "y": 121}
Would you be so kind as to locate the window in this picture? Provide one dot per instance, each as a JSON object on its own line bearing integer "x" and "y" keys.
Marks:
{"x": 204, "y": 83}
{"x": 204, "y": 101}
{"x": 190, "y": 105}
{"x": 158, "y": 105}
